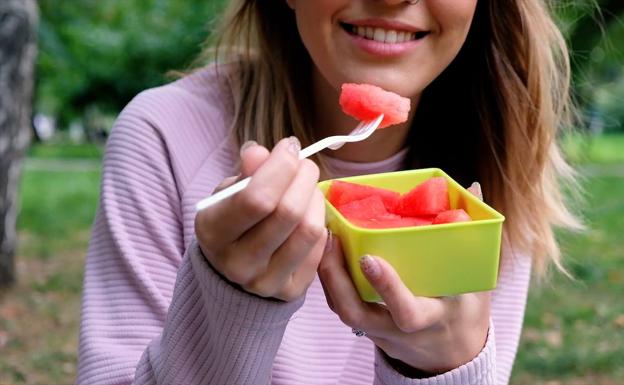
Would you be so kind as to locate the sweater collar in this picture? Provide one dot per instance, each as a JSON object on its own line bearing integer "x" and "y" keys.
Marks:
{"x": 338, "y": 168}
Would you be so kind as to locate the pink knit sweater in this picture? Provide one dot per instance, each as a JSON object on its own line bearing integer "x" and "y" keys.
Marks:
{"x": 153, "y": 310}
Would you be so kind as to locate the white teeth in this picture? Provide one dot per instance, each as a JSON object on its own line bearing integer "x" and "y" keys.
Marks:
{"x": 379, "y": 35}
{"x": 382, "y": 35}
{"x": 391, "y": 37}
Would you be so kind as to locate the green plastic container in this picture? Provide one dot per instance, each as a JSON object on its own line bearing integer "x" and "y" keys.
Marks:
{"x": 433, "y": 261}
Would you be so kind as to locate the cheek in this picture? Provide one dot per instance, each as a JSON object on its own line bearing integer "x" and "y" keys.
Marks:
{"x": 314, "y": 25}
{"x": 453, "y": 19}
{"x": 453, "y": 16}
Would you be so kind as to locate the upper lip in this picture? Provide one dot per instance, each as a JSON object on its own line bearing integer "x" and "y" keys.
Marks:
{"x": 385, "y": 24}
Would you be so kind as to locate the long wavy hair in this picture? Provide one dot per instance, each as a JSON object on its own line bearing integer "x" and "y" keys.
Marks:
{"x": 508, "y": 90}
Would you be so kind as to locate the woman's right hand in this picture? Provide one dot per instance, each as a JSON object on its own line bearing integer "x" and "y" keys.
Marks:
{"x": 269, "y": 238}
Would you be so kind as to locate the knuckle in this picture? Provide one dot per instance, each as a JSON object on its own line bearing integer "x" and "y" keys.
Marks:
{"x": 291, "y": 163}
{"x": 310, "y": 232}
{"x": 311, "y": 167}
{"x": 236, "y": 273}
{"x": 349, "y": 316}
{"x": 291, "y": 293}
{"x": 408, "y": 321}
{"x": 261, "y": 287}
{"x": 287, "y": 212}
{"x": 257, "y": 203}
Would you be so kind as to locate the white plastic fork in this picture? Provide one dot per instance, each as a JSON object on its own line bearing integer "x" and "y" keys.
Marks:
{"x": 361, "y": 132}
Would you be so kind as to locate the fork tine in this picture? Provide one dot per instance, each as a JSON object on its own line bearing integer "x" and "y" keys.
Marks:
{"x": 361, "y": 132}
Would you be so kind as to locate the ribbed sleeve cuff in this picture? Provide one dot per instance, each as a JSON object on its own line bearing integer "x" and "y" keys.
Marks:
{"x": 237, "y": 305}
{"x": 215, "y": 333}
{"x": 480, "y": 371}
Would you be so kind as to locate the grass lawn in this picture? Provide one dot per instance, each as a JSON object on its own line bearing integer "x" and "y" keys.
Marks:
{"x": 574, "y": 330}
{"x": 65, "y": 151}
{"x": 56, "y": 212}
{"x": 573, "y": 334}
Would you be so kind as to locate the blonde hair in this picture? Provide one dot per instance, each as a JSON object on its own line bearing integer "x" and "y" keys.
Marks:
{"x": 508, "y": 89}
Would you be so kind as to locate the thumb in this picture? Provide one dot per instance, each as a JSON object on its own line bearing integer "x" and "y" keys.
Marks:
{"x": 252, "y": 156}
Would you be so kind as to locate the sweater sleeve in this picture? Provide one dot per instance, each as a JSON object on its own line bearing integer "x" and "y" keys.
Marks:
{"x": 494, "y": 363}
{"x": 153, "y": 312}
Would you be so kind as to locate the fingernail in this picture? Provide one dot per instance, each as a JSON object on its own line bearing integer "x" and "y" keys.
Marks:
{"x": 329, "y": 243}
{"x": 294, "y": 145}
{"x": 476, "y": 188}
{"x": 246, "y": 145}
{"x": 370, "y": 266}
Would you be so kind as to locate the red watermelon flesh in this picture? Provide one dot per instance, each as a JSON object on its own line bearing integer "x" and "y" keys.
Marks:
{"x": 341, "y": 193}
{"x": 428, "y": 198}
{"x": 378, "y": 208}
{"x": 387, "y": 223}
{"x": 367, "y": 102}
{"x": 368, "y": 208}
{"x": 452, "y": 216}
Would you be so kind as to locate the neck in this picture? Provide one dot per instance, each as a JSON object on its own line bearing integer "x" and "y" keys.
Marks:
{"x": 330, "y": 120}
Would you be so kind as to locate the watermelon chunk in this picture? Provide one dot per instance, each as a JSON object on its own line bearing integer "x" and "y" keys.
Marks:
{"x": 378, "y": 208}
{"x": 366, "y": 102}
{"x": 427, "y": 199}
{"x": 390, "y": 222}
{"x": 452, "y": 216}
{"x": 368, "y": 208}
{"x": 340, "y": 193}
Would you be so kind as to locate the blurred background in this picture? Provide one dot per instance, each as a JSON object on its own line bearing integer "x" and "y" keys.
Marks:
{"x": 93, "y": 56}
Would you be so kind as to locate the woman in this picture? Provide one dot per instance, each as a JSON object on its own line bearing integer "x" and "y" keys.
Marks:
{"x": 230, "y": 295}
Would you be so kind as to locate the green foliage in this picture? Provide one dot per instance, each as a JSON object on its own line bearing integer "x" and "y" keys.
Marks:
{"x": 595, "y": 30}
{"x": 607, "y": 148}
{"x": 99, "y": 54}
{"x": 102, "y": 53}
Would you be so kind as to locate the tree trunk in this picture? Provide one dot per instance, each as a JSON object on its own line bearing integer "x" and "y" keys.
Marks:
{"x": 18, "y": 32}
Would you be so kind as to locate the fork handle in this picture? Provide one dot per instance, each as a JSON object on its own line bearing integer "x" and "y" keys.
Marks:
{"x": 240, "y": 185}
{"x": 221, "y": 195}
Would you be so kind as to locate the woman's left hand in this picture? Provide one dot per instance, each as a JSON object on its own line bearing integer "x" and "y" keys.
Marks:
{"x": 419, "y": 334}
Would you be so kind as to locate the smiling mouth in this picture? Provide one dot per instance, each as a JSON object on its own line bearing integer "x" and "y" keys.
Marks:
{"x": 382, "y": 35}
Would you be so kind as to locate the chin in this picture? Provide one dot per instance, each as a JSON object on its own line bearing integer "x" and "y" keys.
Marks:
{"x": 390, "y": 79}
{"x": 404, "y": 87}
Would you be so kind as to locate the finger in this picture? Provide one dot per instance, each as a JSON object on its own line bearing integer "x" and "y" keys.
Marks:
{"x": 268, "y": 183}
{"x": 297, "y": 260}
{"x": 344, "y": 298}
{"x": 275, "y": 270}
{"x": 410, "y": 313}
{"x": 299, "y": 281}
{"x": 294, "y": 211}
{"x": 475, "y": 189}
{"x": 252, "y": 157}
{"x": 233, "y": 216}
{"x": 227, "y": 182}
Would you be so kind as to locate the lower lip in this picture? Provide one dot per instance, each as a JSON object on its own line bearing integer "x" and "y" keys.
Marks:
{"x": 377, "y": 48}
